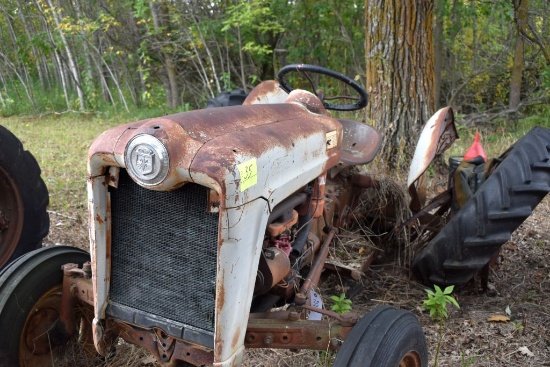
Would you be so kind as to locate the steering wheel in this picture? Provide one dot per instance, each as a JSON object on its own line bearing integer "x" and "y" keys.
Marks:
{"x": 305, "y": 68}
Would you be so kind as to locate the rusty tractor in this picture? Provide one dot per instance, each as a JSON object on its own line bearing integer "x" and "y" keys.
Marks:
{"x": 209, "y": 231}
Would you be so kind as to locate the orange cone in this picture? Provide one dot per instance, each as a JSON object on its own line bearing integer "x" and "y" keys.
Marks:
{"x": 475, "y": 150}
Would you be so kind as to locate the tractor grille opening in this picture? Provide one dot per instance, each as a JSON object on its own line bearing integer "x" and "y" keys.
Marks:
{"x": 164, "y": 247}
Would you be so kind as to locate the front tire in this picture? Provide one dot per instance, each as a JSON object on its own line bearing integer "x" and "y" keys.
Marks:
{"x": 384, "y": 337}
{"x": 30, "y": 297}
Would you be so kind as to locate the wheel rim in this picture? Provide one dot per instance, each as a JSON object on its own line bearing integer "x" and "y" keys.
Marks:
{"x": 37, "y": 339}
{"x": 40, "y": 343}
{"x": 11, "y": 216}
{"x": 411, "y": 359}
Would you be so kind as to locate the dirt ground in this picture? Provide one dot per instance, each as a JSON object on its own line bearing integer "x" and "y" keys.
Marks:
{"x": 519, "y": 288}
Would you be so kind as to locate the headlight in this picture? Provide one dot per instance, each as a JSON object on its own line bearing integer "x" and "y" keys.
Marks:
{"x": 147, "y": 160}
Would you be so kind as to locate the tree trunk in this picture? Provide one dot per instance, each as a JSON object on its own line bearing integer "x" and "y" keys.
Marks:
{"x": 75, "y": 74}
{"x": 438, "y": 53}
{"x": 520, "y": 19}
{"x": 400, "y": 72}
{"x": 241, "y": 59}
{"x": 161, "y": 22}
{"x": 209, "y": 54}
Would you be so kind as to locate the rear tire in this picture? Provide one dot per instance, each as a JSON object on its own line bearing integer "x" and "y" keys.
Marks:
{"x": 24, "y": 221}
{"x": 30, "y": 295}
{"x": 478, "y": 230}
{"x": 384, "y": 337}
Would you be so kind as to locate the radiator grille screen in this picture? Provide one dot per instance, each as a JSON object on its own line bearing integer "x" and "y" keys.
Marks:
{"x": 164, "y": 247}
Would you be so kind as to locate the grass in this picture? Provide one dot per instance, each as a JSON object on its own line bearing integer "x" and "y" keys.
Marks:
{"x": 496, "y": 138}
{"x": 60, "y": 145}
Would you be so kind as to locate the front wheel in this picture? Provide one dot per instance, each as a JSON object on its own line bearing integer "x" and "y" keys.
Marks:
{"x": 30, "y": 298}
{"x": 384, "y": 337}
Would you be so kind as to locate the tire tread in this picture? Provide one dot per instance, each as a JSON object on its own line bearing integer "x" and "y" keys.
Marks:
{"x": 467, "y": 243}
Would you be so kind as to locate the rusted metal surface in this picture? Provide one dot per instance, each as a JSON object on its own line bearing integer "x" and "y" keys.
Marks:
{"x": 308, "y": 99}
{"x": 11, "y": 216}
{"x": 299, "y": 334}
{"x": 78, "y": 283}
{"x": 66, "y": 323}
{"x": 437, "y": 136}
{"x": 360, "y": 142}
{"x": 318, "y": 199}
{"x": 276, "y": 228}
{"x": 34, "y": 341}
{"x": 411, "y": 359}
{"x": 347, "y": 319}
{"x": 432, "y": 222}
{"x": 364, "y": 181}
{"x": 167, "y": 350}
{"x": 314, "y": 274}
{"x": 268, "y": 91}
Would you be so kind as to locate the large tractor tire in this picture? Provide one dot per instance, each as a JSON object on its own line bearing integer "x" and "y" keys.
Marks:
{"x": 24, "y": 221}
{"x": 30, "y": 298}
{"x": 384, "y": 337}
{"x": 486, "y": 221}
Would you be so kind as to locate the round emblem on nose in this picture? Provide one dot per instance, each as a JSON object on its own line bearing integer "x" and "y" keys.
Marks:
{"x": 147, "y": 160}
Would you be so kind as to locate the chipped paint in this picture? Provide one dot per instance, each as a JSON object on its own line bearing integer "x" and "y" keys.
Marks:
{"x": 438, "y": 135}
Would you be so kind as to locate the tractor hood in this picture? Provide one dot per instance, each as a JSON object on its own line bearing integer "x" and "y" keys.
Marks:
{"x": 242, "y": 152}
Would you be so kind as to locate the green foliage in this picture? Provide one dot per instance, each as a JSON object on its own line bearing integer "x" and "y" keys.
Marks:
{"x": 468, "y": 361}
{"x": 518, "y": 325}
{"x": 255, "y": 28}
{"x": 225, "y": 44}
{"x": 341, "y": 304}
{"x": 437, "y": 305}
{"x": 437, "y": 302}
{"x": 332, "y": 35}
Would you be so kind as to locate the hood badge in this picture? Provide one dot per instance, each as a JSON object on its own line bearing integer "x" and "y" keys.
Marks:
{"x": 145, "y": 160}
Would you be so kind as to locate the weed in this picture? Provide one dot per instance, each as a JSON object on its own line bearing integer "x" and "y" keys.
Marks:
{"x": 341, "y": 304}
{"x": 437, "y": 305}
{"x": 518, "y": 325}
{"x": 468, "y": 361}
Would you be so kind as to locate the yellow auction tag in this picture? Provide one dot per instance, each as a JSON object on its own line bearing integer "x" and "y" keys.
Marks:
{"x": 249, "y": 174}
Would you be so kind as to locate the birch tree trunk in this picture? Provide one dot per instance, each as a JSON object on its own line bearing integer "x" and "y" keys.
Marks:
{"x": 71, "y": 60}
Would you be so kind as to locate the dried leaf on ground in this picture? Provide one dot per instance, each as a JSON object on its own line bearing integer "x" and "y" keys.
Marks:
{"x": 525, "y": 351}
{"x": 498, "y": 318}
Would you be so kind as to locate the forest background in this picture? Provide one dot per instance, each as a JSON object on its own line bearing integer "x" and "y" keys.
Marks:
{"x": 152, "y": 57}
